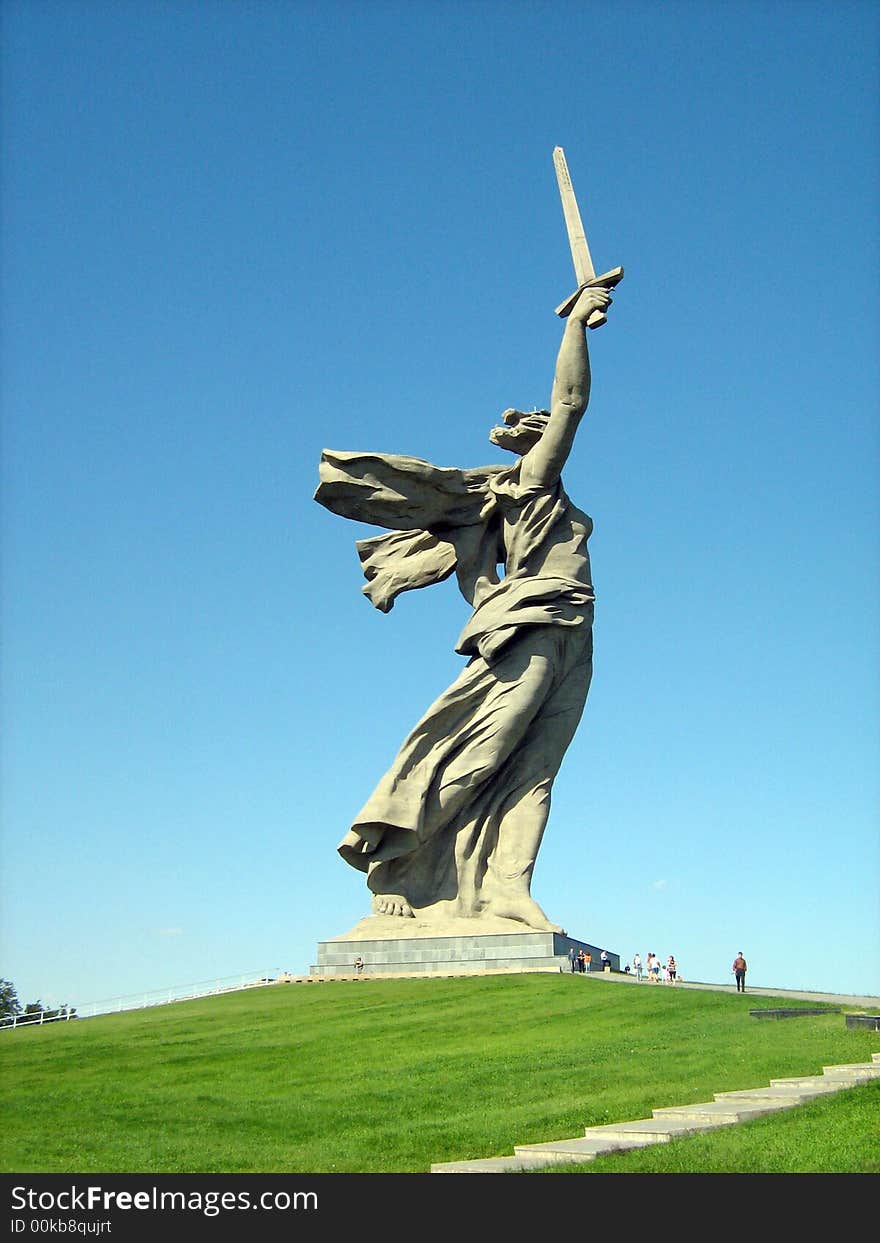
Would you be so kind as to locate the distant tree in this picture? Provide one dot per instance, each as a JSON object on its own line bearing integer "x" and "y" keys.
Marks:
{"x": 9, "y": 1003}
{"x": 49, "y": 1015}
{"x": 11, "y": 1008}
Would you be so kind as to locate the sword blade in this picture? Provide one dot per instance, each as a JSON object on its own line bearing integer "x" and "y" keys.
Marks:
{"x": 577, "y": 239}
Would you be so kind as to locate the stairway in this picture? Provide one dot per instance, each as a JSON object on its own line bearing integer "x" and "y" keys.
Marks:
{"x": 726, "y": 1109}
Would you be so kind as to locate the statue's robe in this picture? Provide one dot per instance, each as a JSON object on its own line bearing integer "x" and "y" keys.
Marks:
{"x": 457, "y": 820}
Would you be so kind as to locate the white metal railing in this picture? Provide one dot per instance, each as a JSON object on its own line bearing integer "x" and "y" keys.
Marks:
{"x": 58, "y": 1014}
{"x": 141, "y": 1000}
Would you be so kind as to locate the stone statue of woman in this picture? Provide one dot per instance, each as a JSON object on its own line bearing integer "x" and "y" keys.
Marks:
{"x": 453, "y": 828}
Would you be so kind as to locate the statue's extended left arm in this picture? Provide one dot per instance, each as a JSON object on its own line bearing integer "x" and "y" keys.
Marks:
{"x": 542, "y": 465}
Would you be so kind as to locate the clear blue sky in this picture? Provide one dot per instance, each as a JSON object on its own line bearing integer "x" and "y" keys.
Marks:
{"x": 237, "y": 233}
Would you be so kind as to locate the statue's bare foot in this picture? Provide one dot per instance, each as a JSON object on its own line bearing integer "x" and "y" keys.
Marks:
{"x": 523, "y": 908}
{"x": 391, "y": 904}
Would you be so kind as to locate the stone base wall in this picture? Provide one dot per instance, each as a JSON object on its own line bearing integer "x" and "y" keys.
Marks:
{"x": 871, "y": 1021}
{"x": 454, "y": 955}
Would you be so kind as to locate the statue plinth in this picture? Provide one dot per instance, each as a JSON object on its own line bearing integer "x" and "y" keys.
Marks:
{"x": 389, "y": 945}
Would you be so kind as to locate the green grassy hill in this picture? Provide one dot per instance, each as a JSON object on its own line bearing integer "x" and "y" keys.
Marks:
{"x": 389, "y": 1076}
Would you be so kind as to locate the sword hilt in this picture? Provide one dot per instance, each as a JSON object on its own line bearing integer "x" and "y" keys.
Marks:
{"x": 606, "y": 281}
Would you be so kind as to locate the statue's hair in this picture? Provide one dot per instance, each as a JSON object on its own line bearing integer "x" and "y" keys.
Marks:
{"x": 533, "y": 423}
{"x": 535, "y": 420}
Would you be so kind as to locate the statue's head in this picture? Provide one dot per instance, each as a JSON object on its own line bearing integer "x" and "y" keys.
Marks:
{"x": 519, "y": 431}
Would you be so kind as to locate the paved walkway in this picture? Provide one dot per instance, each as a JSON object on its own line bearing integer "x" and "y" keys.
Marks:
{"x": 835, "y": 999}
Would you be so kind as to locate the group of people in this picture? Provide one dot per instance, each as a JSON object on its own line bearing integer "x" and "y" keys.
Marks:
{"x": 582, "y": 960}
{"x": 652, "y": 969}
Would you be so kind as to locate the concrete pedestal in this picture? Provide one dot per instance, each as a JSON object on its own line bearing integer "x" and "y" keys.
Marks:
{"x": 391, "y": 946}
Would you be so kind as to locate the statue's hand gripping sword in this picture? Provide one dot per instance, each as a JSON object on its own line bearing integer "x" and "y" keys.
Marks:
{"x": 580, "y": 251}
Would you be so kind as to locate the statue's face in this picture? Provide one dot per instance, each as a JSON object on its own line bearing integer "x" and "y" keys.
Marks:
{"x": 519, "y": 431}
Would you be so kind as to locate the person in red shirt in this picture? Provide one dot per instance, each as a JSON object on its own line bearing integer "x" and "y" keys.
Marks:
{"x": 739, "y": 971}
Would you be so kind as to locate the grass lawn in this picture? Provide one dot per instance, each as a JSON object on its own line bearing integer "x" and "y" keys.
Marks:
{"x": 390, "y": 1076}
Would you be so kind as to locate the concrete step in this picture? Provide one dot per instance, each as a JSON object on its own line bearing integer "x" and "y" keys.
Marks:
{"x": 844, "y": 1077}
{"x": 656, "y": 1130}
{"x": 490, "y": 1165}
{"x": 724, "y": 1111}
{"x": 581, "y": 1148}
{"x": 869, "y": 1070}
{"x": 822, "y": 1083}
{"x": 781, "y": 1092}
{"x": 876, "y": 1057}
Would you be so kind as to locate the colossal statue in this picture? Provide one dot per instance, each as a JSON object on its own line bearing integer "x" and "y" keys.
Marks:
{"x": 454, "y": 826}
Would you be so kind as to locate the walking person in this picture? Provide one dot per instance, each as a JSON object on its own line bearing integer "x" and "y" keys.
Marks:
{"x": 588, "y": 960}
{"x": 637, "y": 965}
{"x": 739, "y": 970}
{"x": 670, "y": 969}
{"x": 572, "y": 958}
